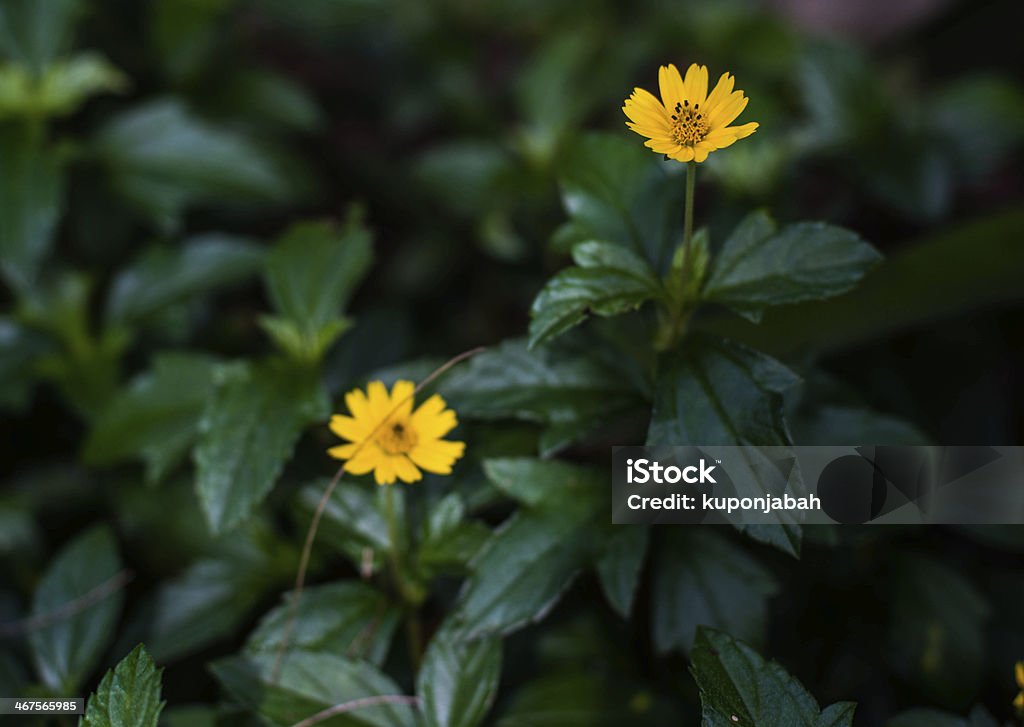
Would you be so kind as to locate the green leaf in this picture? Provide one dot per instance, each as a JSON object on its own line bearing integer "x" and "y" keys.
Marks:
{"x": 128, "y": 695}
{"x": 156, "y": 417}
{"x": 35, "y": 32}
{"x": 31, "y": 191}
{"x": 569, "y": 394}
{"x": 704, "y": 579}
{"x": 616, "y": 190}
{"x": 348, "y": 618}
{"x": 533, "y": 557}
{"x": 458, "y": 680}
{"x": 164, "y": 276}
{"x": 609, "y": 280}
{"x": 619, "y": 563}
{"x": 22, "y": 348}
{"x": 62, "y": 88}
{"x": 309, "y": 683}
{"x": 937, "y": 630}
{"x": 239, "y": 455}
{"x": 759, "y": 267}
{"x": 207, "y": 602}
{"x": 311, "y": 273}
{"x": 968, "y": 267}
{"x": 68, "y": 648}
{"x": 716, "y": 392}
{"x": 450, "y": 541}
{"x": 737, "y": 687}
{"x": 164, "y": 160}
{"x": 352, "y": 520}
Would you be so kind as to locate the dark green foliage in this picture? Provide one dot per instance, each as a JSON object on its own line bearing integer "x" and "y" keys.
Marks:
{"x": 219, "y": 216}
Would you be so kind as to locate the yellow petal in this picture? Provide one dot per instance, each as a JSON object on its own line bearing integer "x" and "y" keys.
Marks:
{"x": 701, "y": 151}
{"x": 721, "y": 92}
{"x": 647, "y": 131}
{"x": 343, "y": 451}
{"x": 402, "y": 394}
{"x": 357, "y": 404}
{"x": 384, "y": 472}
{"x": 1019, "y": 701}
{"x": 432, "y": 420}
{"x": 646, "y": 101}
{"x": 1019, "y": 674}
{"x": 437, "y": 456}
{"x": 685, "y": 154}
{"x": 671, "y": 85}
{"x": 647, "y": 115}
{"x": 347, "y": 427}
{"x": 744, "y": 130}
{"x": 695, "y": 87}
{"x": 662, "y": 146}
{"x": 363, "y": 461}
{"x": 720, "y": 138}
{"x": 379, "y": 403}
{"x": 727, "y": 111}
{"x": 405, "y": 469}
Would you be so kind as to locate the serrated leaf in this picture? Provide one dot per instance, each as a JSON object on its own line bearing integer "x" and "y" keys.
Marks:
{"x": 616, "y": 190}
{"x": 570, "y": 394}
{"x": 703, "y": 579}
{"x": 34, "y": 32}
{"x": 458, "y": 680}
{"x": 31, "y": 188}
{"x": 759, "y": 267}
{"x": 128, "y": 695}
{"x": 712, "y": 391}
{"x": 163, "y": 276}
{"x": 156, "y": 417}
{"x": 309, "y": 683}
{"x": 619, "y": 563}
{"x": 311, "y": 273}
{"x": 68, "y": 648}
{"x": 348, "y": 618}
{"x": 937, "y": 630}
{"x": 609, "y": 280}
{"x": 247, "y": 432}
{"x": 533, "y": 557}
{"x": 738, "y": 687}
{"x": 163, "y": 160}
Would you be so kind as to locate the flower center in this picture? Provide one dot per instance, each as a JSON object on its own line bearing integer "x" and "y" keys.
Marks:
{"x": 397, "y": 438}
{"x": 688, "y": 124}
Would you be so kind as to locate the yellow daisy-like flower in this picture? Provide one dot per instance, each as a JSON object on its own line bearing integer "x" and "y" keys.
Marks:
{"x": 386, "y": 436}
{"x": 1019, "y": 674}
{"x": 688, "y": 123}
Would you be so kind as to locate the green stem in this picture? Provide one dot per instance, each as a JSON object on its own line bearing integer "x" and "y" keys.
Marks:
{"x": 691, "y": 182}
{"x": 409, "y": 593}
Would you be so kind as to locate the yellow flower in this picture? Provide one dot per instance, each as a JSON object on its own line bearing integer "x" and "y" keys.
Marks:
{"x": 688, "y": 123}
{"x": 1019, "y": 674}
{"x": 386, "y": 436}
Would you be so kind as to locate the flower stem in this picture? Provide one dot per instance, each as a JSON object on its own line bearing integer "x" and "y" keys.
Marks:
{"x": 691, "y": 182}
{"x": 409, "y": 593}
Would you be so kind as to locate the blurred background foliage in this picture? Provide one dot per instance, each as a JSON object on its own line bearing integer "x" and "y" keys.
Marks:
{"x": 157, "y": 161}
